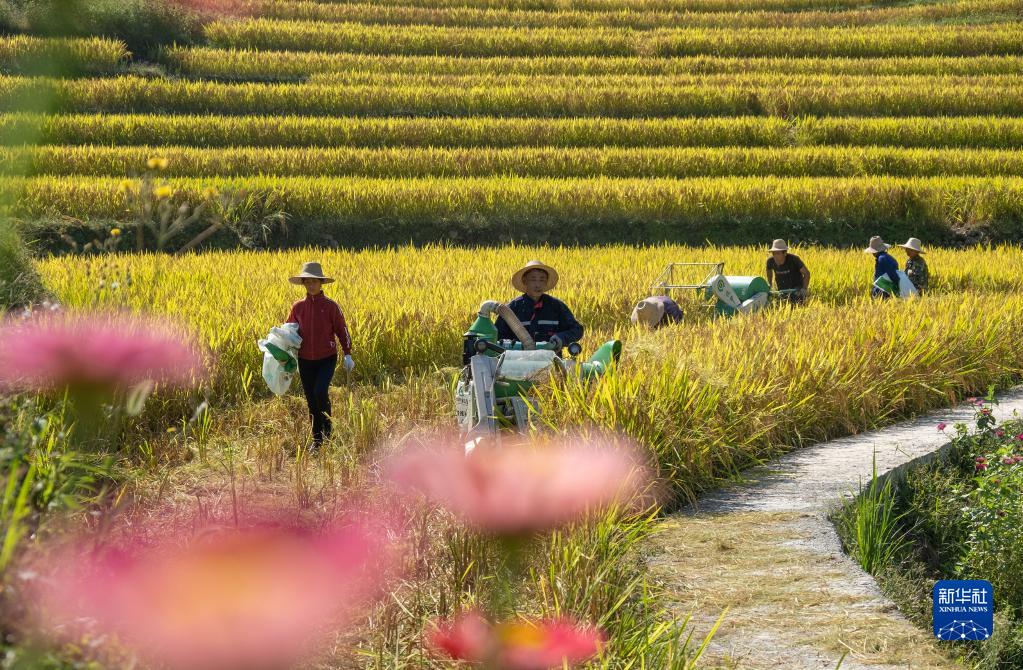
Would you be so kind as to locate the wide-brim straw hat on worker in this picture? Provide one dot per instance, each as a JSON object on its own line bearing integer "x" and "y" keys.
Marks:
{"x": 779, "y": 245}
{"x": 552, "y": 275}
{"x": 877, "y": 245}
{"x": 914, "y": 244}
{"x": 311, "y": 270}
{"x": 648, "y": 312}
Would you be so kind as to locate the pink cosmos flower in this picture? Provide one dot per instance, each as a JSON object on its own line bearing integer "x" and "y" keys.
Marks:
{"x": 974, "y": 401}
{"x": 981, "y": 466}
{"x": 518, "y": 645}
{"x": 520, "y": 489}
{"x": 999, "y": 433}
{"x": 110, "y": 351}
{"x": 1017, "y": 459}
{"x": 1008, "y": 460}
{"x": 1020, "y": 437}
{"x": 250, "y": 600}
{"x": 942, "y": 426}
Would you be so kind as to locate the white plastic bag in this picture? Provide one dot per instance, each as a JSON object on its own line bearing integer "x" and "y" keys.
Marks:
{"x": 275, "y": 373}
{"x": 906, "y": 287}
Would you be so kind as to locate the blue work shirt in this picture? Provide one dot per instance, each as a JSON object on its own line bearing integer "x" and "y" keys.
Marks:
{"x": 546, "y": 317}
{"x": 884, "y": 264}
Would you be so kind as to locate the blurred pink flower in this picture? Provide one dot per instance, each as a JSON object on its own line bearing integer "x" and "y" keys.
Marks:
{"x": 1008, "y": 460}
{"x": 519, "y": 489}
{"x": 247, "y": 600}
{"x": 942, "y": 426}
{"x": 517, "y": 645}
{"x": 100, "y": 351}
{"x": 999, "y": 433}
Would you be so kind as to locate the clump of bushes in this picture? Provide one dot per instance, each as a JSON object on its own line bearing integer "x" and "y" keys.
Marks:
{"x": 143, "y": 25}
{"x": 960, "y": 517}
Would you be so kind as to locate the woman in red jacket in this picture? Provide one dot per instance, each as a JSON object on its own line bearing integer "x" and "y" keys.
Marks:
{"x": 320, "y": 321}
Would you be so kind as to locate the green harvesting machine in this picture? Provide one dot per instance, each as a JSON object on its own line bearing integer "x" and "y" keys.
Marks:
{"x": 499, "y": 377}
{"x": 727, "y": 295}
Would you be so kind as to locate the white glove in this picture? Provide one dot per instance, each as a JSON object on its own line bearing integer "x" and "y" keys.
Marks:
{"x": 349, "y": 363}
{"x": 555, "y": 342}
{"x": 488, "y": 308}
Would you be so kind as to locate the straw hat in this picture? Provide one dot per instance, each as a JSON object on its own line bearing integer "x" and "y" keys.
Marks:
{"x": 914, "y": 244}
{"x": 310, "y": 270}
{"x": 552, "y": 275}
{"x": 648, "y": 312}
{"x": 779, "y": 245}
{"x": 876, "y": 245}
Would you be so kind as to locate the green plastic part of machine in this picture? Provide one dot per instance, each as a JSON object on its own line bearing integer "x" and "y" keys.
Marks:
{"x": 744, "y": 287}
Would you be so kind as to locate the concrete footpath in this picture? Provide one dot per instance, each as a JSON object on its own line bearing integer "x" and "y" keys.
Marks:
{"x": 766, "y": 551}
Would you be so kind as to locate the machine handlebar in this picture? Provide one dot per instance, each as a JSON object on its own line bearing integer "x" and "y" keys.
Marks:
{"x": 481, "y": 346}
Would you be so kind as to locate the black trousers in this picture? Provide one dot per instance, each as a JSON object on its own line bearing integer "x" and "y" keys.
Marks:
{"x": 316, "y": 376}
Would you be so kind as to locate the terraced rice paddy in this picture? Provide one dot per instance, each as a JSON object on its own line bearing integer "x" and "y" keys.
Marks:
{"x": 649, "y": 116}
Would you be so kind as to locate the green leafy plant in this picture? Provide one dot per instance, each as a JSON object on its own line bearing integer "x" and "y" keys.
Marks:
{"x": 876, "y": 527}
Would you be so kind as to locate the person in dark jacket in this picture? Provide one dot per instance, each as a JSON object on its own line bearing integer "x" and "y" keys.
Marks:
{"x": 545, "y": 318}
{"x": 884, "y": 266}
{"x": 321, "y": 324}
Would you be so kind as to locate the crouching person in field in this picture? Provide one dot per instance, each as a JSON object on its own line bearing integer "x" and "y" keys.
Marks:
{"x": 788, "y": 273}
{"x": 885, "y": 267}
{"x": 916, "y": 266}
{"x": 656, "y": 311}
{"x": 321, "y": 324}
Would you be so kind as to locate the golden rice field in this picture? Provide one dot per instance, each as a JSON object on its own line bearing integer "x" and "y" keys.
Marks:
{"x": 705, "y": 396}
{"x": 817, "y": 101}
{"x": 638, "y": 125}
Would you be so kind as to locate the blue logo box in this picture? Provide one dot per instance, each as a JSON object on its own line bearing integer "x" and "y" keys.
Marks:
{"x": 964, "y": 609}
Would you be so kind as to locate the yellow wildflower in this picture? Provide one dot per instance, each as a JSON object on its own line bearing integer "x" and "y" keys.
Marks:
{"x": 162, "y": 192}
{"x": 157, "y": 163}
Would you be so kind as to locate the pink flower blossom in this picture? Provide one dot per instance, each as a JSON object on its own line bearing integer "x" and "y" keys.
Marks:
{"x": 1017, "y": 459}
{"x": 981, "y": 466}
{"x": 999, "y": 433}
{"x": 974, "y": 401}
{"x": 109, "y": 351}
{"x": 1020, "y": 437}
{"x": 519, "y": 489}
{"x": 942, "y": 426}
{"x": 248, "y": 600}
{"x": 518, "y": 645}
{"x": 1008, "y": 460}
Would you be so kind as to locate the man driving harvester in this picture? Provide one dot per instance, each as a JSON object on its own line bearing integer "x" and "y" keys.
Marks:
{"x": 544, "y": 317}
